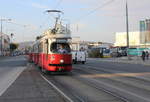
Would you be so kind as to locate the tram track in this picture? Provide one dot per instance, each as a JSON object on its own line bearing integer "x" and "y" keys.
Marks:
{"x": 97, "y": 86}
{"x": 79, "y": 97}
{"x": 124, "y": 85}
{"x": 117, "y": 83}
{"x": 69, "y": 95}
{"x": 129, "y": 76}
{"x": 120, "y": 93}
{"x": 63, "y": 96}
{"x": 58, "y": 90}
{"x": 144, "y": 82}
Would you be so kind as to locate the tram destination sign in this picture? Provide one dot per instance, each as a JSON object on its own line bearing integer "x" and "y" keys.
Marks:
{"x": 61, "y": 40}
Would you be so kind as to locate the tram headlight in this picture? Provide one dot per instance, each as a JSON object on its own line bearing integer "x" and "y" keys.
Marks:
{"x": 61, "y": 61}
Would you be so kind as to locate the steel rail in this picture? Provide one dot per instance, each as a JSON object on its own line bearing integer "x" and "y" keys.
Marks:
{"x": 89, "y": 82}
{"x": 56, "y": 88}
{"x": 70, "y": 92}
{"x": 115, "y": 81}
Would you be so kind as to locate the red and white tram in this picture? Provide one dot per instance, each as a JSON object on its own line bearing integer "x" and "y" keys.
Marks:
{"x": 45, "y": 53}
{"x": 52, "y": 50}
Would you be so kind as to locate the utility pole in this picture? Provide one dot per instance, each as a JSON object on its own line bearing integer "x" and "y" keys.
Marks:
{"x": 1, "y": 38}
{"x": 1, "y": 20}
{"x": 127, "y": 29}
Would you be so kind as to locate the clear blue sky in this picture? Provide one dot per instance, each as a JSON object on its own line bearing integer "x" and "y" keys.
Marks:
{"x": 98, "y": 26}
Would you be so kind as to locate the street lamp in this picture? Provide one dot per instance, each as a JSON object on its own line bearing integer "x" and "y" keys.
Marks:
{"x": 2, "y": 20}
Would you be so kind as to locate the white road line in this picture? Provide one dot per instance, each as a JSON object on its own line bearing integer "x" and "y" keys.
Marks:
{"x": 69, "y": 99}
{"x": 7, "y": 80}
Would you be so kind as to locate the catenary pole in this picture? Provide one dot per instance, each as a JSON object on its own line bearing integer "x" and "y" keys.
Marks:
{"x": 127, "y": 30}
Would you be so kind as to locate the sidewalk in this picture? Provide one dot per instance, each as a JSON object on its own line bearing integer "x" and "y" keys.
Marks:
{"x": 133, "y": 60}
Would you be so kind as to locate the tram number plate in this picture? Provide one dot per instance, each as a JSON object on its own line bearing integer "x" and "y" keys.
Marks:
{"x": 60, "y": 69}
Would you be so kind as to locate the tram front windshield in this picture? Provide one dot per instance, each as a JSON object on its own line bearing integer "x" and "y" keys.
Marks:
{"x": 60, "y": 48}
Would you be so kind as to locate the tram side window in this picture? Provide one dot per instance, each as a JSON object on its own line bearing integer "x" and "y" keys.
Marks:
{"x": 33, "y": 49}
{"x": 45, "y": 48}
{"x": 40, "y": 47}
{"x": 60, "y": 48}
{"x": 36, "y": 48}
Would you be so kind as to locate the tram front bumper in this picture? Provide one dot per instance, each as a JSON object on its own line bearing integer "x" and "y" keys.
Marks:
{"x": 60, "y": 67}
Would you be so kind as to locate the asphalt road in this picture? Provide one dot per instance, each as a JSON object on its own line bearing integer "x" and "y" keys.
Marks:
{"x": 98, "y": 81}
{"x": 94, "y": 81}
{"x": 126, "y": 80}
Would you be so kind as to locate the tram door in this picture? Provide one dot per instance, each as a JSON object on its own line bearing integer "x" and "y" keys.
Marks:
{"x": 40, "y": 47}
{"x": 45, "y": 53}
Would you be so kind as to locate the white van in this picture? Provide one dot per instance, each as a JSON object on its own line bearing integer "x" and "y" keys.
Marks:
{"x": 78, "y": 56}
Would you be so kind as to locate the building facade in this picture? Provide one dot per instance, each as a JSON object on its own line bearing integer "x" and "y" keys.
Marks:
{"x": 121, "y": 39}
{"x": 77, "y": 44}
{"x": 145, "y": 32}
{"x": 4, "y": 45}
{"x": 139, "y": 38}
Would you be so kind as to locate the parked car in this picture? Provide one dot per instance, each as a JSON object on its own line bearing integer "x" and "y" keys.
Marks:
{"x": 78, "y": 56}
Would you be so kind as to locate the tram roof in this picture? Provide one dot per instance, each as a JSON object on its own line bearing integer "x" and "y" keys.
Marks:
{"x": 61, "y": 32}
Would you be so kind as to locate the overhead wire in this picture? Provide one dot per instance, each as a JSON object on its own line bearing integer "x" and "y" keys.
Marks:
{"x": 58, "y": 4}
{"x": 94, "y": 10}
{"x": 44, "y": 23}
{"x": 89, "y": 13}
{"x": 17, "y": 24}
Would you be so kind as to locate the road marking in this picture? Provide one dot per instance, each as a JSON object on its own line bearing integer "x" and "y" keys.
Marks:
{"x": 122, "y": 90}
{"x": 117, "y": 75}
{"x": 7, "y": 80}
{"x": 69, "y": 99}
{"x": 114, "y": 87}
{"x": 141, "y": 76}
